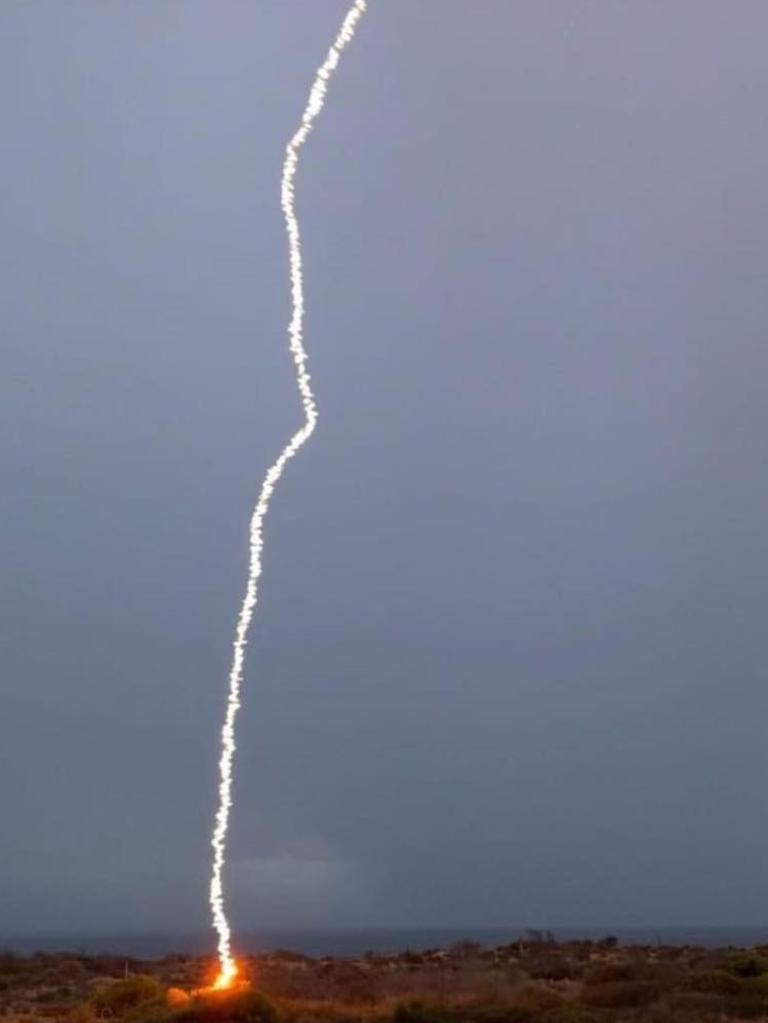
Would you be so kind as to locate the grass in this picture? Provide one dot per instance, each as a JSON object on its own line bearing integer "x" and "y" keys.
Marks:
{"x": 578, "y": 982}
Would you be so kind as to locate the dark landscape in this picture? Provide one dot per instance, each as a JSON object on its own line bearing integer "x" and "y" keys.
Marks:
{"x": 533, "y": 980}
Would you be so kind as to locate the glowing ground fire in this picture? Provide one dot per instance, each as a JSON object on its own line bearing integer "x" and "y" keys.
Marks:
{"x": 315, "y": 103}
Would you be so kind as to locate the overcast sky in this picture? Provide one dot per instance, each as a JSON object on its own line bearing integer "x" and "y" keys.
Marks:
{"x": 510, "y": 660}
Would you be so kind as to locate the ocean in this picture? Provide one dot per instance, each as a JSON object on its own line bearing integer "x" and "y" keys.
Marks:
{"x": 357, "y": 942}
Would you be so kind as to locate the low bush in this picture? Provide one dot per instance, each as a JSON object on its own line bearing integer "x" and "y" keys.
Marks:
{"x": 81, "y": 1014}
{"x": 417, "y": 1012}
{"x": 718, "y": 982}
{"x": 614, "y": 973}
{"x": 552, "y": 968}
{"x": 119, "y": 998}
{"x": 748, "y": 965}
{"x": 621, "y": 994}
{"x": 573, "y": 1014}
{"x": 227, "y": 1007}
{"x": 661, "y": 1014}
{"x": 698, "y": 1005}
{"x": 745, "y": 1005}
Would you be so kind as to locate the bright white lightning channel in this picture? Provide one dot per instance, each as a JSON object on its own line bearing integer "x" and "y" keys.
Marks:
{"x": 315, "y": 103}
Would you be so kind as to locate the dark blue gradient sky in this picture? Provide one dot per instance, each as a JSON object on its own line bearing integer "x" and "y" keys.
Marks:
{"x": 510, "y": 662}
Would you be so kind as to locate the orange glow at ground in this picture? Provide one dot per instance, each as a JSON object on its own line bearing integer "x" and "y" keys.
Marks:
{"x": 176, "y": 997}
{"x": 226, "y": 981}
{"x": 226, "y": 978}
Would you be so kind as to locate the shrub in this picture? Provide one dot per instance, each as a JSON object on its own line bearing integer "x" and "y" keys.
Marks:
{"x": 81, "y": 1014}
{"x": 717, "y": 982}
{"x": 536, "y": 1000}
{"x": 551, "y": 968}
{"x": 417, "y": 1012}
{"x": 696, "y": 1004}
{"x": 572, "y": 1014}
{"x": 748, "y": 965}
{"x": 611, "y": 973}
{"x": 661, "y": 1015}
{"x": 118, "y": 998}
{"x": 621, "y": 994}
{"x": 109, "y": 966}
{"x": 746, "y": 1005}
{"x": 156, "y": 1010}
{"x": 757, "y": 985}
{"x": 228, "y": 1007}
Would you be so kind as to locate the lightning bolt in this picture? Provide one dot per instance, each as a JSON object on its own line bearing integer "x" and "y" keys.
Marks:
{"x": 314, "y": 106}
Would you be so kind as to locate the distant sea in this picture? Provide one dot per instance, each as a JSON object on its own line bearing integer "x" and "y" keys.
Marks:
{"x": 357, "y": 942}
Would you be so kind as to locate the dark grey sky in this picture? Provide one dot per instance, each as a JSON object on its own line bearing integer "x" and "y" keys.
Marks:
{"x": 510, "y": 660}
